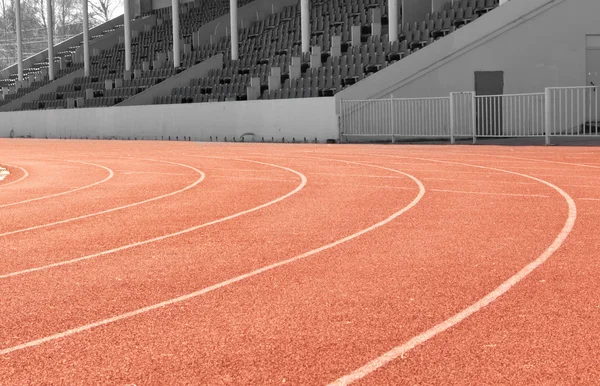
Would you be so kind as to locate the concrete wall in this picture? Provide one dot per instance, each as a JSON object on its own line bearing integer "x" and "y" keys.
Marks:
{"x": 180, "y": 80}
{"x": 35, "y": 95}
{"x": 537, "y": 43}
{"x": 256, "y": 10}
{"x": 292, "y": 118}
{"x": 62, "y": 46}
{"x": 156, "y": 4}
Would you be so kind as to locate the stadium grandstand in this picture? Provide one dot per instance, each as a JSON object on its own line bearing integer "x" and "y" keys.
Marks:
{"x": 381, "y": 70}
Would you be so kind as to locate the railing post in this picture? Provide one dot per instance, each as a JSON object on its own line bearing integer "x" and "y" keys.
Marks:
{"x": 547, "y": 114}
{"x": 392, "y": 120}
{"x": 341, "y": 121}
{"x": 452, "y": 123}
{"x": 474, "y": 116}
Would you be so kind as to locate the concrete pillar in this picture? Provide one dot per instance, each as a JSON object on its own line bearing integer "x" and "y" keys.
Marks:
{"x": 393, "y": 20}
{"x": 234, "y": 29}
{"x": 127, "y": 37}
{"x": 19, "y": 39}
{"x": 50, "y": 39}
{"x": 176, "y": 42}
{"x": 315, "y": 57}
{"x": 355, "y": 33}
{"x": 305, "y": 25}
{"x": 86, "y": 40}
{"x": 295, "y": 70}
{"x": 275, "y": 79}
{"x": 336, "y": 46}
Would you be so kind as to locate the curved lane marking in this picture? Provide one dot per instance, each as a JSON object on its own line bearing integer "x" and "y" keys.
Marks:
{"x": 236, "y": 279}
{"x": 202, "y": 176}
{"x": 110, "y": 175}
{"x": 170, "y": 235}
{"x": 399, "y": 351}
{"x": 25, "y": 175}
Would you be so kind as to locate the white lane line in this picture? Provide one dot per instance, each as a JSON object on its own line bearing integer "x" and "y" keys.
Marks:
{"x": 25, "y": 175}
{"x": 590, "y": 199}
{"x": 432, "y": 190}
{"x": 158, "y": 173}
{"x": 236, "y": 279}
{"x": 399, "y": 351}
{"x": 164, "y": 237}
{"x": 202, "y": 176}
{"x": 489, "y": 193}
{"x": 110, "y": 175}
{"x": 477, "y": 181}
{"x": 253, "y": 178}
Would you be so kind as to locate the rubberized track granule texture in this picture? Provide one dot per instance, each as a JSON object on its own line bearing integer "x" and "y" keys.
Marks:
{"x": 188, "y": 263}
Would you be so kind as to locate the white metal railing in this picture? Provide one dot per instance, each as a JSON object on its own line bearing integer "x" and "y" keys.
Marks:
{"x": 517, "y": 115}
{"x": 573, "y": 111}
{"x": 566, "y": 111}
{"x": 413, "y": 117}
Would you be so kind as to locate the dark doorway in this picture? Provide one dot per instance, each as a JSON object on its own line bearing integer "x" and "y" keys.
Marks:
{"x": 489, "y": 110}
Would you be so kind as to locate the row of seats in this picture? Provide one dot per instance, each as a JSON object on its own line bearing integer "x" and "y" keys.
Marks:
{"x": 110, "y": 63}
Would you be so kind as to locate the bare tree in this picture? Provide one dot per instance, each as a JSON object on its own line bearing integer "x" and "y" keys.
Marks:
{"x": 103, "y": 10}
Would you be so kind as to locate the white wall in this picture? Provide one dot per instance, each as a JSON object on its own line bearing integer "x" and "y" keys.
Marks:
{"x": 534, "y": 51}
{"x": 292, "y": 118}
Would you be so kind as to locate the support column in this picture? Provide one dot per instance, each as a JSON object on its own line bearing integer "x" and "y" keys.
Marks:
{"x": 305, "y": 25}
{"x": 50, "y": 27}
{"x": 19, "y": 40}
{"x": 234, "y": 29}
{"x": 127, "y": 38}
{"x": 393, "y": 20}
{"x": 176, "y": 42}
{"x": 86, "y": 40}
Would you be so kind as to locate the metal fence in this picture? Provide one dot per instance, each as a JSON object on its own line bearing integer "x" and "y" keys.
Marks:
{"x": 573, "y": 111}
{"x": 568, "y": 111}
{"x": 393, "y": 118}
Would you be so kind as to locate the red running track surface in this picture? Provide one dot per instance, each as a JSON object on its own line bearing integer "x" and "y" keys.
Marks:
{"x": 186, "y": 263}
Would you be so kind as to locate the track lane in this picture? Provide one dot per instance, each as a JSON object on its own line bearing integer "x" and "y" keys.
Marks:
{"x": 291, "y": 309}
{"x": 251, "y": 261}
{"x": 90, "y": 238}
{"x": 114, "y": 209}
{"x": 17, "y": 174}
{"x": 462, "y": 360}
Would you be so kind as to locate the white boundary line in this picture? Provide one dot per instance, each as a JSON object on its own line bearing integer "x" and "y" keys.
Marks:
{"x": 399, "y": 351}
{"x": 236, "y": 279}
{"x": 111, "y": 174}
{"x": 202, "y": 176}
{"x": 25, "y": 175}
{"x": 179, "y": 233}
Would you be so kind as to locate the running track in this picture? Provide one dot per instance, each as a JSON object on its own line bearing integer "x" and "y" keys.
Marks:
{"x": 184, "y": 263}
